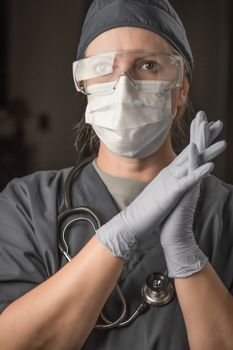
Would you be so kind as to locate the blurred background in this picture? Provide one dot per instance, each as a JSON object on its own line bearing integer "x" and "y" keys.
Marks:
{"x": 39, "y": 106}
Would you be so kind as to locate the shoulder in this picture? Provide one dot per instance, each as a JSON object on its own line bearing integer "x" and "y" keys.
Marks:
{"x": 214, "y": 212}
{"x": 216, "y": 193}
{"x": 214, "y": 226}
{"x": 31, "y": 199}
{"x": 213, "y": 181}
{"x": 28, "y": 232}
{"x": 47, "y": 178}
{"x": 40, "y": 183}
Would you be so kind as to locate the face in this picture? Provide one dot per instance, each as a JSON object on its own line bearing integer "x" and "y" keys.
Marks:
{"x": 137, "y": 39}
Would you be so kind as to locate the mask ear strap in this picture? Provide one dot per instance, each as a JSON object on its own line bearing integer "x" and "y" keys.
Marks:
{"x": 82, "y": 89}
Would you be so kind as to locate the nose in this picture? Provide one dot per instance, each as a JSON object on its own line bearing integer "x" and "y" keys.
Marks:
{"x": 123, "y": 63}
{"x": 123, "y": 66}
{"x": 124, "y": 74}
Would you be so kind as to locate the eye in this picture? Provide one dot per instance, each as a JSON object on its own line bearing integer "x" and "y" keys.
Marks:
{"x": 151, "y": 66}
{"x": 102, "y": 68}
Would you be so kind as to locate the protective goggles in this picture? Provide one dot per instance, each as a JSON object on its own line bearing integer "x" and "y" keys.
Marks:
{"x": 139, "y": 65}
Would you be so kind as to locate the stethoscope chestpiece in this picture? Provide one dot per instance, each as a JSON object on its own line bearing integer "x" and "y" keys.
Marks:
{"x": 158, "y": 290}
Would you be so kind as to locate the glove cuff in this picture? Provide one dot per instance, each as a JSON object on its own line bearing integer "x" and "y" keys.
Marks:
{"x": 117, "y": 238}
{"x": 185, "y": 263}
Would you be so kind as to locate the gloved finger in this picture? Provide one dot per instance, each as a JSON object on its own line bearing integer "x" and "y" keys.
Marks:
{"x": 213, "y": 151}
{"x": 198, "y": 174}
{"x": 203, "y": 136}
{"x": 182, "y": 157}
{"x": 181, "y": 171}
{"x": 188, "y": 162}
{"x": 207, "y": 133}
{"x": 179, "y": 166}
{"x": 201, "y": 116}
{"x": 195, "y": 126}
{"x": 192, "y": 131}
{"x": 193, "y": 160}
{"x": 215, "y": 130}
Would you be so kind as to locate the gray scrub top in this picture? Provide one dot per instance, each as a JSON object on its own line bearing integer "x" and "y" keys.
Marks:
{"x": 29, "y": 253}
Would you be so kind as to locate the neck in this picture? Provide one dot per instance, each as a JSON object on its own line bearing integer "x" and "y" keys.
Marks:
{"x": 144, "y": 169}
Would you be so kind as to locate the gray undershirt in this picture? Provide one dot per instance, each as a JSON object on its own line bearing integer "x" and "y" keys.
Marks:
{"x": 122, "y": 190}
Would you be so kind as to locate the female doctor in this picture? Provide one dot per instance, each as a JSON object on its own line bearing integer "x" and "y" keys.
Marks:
{"x": 158, "y": 211}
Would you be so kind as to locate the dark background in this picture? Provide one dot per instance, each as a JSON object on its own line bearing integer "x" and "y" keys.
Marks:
{"x": 38, "y": 103}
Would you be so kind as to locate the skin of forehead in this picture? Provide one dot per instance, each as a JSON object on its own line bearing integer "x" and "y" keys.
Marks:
{"x": 128, "y": 38}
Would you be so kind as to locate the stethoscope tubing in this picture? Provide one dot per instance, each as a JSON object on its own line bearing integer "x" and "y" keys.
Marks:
{"x": 86, "y": 214}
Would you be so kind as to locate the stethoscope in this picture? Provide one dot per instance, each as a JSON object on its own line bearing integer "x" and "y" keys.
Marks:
{"x": 157, "y": 290}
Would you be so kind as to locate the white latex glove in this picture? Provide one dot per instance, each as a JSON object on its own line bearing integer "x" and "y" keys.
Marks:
{"x": 123, "y": 232}
{"x": 203, "y": 133}
{"x": 183, "y": 255}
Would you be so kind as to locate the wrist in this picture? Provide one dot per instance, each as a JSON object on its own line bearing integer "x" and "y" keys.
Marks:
{"x": 117, "y": 237}
{"x": 184, "y": 262}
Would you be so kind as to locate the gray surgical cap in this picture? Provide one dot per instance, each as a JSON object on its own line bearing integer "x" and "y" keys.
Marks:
{"x": 158, "y": 16}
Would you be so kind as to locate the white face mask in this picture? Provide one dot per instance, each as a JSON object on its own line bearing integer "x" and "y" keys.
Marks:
{"x": 131, "y": 122}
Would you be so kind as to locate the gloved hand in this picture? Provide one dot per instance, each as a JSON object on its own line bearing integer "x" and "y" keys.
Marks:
{"x": 203, "y": 133}
{"x": 124, "y": 231}
{"x": 182, "y": 253}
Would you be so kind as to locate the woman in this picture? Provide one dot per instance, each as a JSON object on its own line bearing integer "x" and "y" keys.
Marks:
{"x": 135, "y": 64}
